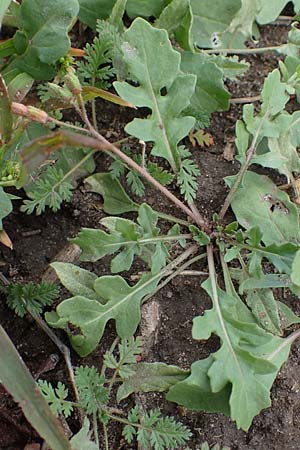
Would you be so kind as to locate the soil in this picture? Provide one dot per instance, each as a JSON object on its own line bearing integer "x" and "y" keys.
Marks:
{"x": 38, "y": 239}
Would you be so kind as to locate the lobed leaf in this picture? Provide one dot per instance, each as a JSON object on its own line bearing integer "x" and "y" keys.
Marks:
{"x": 88, "y": 317}
{"x": 240, "y": 374}
{"x": 161, "y": 88}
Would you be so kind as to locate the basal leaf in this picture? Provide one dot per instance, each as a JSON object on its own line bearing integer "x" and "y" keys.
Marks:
{"x": 149, "y": 377}
{"x": 161, "y": 87}
{"x": 268, "y": 207}
{"x": 269, "y": 12}
{"x": 116, "y": 201}
{"x": 88, "y": 317}
{"x": 78, "y": 281}
{"x": 43, "y": 37}
{"x": 247, "y": 362}
{"x": 210, "y": 94}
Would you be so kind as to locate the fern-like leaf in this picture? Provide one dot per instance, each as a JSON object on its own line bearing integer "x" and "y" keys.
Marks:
{"x": 96, "y": 66}
{"x": 49, "y": 190}
{"x": 128, "y": 351}
{"x": 30, "y": 297}
{"x": 92, "y": 393}
{"x": 56, "y": 398}
{"x": 187, "y": 179}
{"x": 154, "y": 431}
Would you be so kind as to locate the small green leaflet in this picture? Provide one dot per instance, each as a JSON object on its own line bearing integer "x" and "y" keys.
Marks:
{"x": 121, "y": 302}
{"x": 268, "y": 207}
{"x": 244, "y": 367}
{"x": 43, "y": 37}
{"x": 166, "y": 126}
{"x": 150, "y": 377}
{"x": 128, "y": 239}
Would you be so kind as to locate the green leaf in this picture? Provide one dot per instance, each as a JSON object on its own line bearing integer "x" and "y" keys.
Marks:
{"x": 144, "y": 8}
{"x": 78, "y": 281}
{"x": 90, "y": 317}
{"x": 165, "y": 127}
{"x": 56, "y": 398}
{"x": 177, "y": 18}
{"x": 269, "y": 12}
{"x": 295, "y": 275}
{"x": 81, "y": 440}
{"x": 210, "y": 94}
{"x": 246, "y": 363}
{"x": 6, "y": 120}
{"x": 287, "y": 316}
{"x": 90, "y": 385}
{"x": 195, "y": 391}
{"x": 128, "y": 351}
{"x": 150, "y": 377}
{"x": 44, "y": 36}
{"x": 128, "y": 239}
{"x": 92, "y": 10}
{"x": 268, "y": 207}
{"x": 264, "y": 307}
{"x": 28, "y": 396}
{"x": 31, "y": 297}
{"x": 3, "y": 8}
{"x": 116, "y": 201}
{"x": 211, "y": 18}
{"x": 199, "y": 235}
{"x": 5, "y": 206}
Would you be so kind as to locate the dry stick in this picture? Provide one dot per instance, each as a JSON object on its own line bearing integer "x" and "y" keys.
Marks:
{"x": 100, "y": 143}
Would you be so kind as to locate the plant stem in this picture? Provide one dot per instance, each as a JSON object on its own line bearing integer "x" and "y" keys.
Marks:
{"x": 95, "y": 429}
{"x": 249, "y": 155}
{"x": 243, "y": 51}
{"x": 242, "y": 100}
{"x": 101, "y": 143}
{"x": 105, "y": 436}
{"x": 68, "y": 125}
{"x": 94, "y": 116}
{"x": 171, "y": 218}
{"x": 287, "y": 341}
